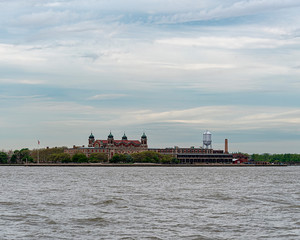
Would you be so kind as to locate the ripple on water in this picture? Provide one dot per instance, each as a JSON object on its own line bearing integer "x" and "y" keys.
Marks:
{"x": 55, "y": 204}
{"x": 95, "y": 221}
{"x": 104, "y": 202}
{"x": 9, "y": 203}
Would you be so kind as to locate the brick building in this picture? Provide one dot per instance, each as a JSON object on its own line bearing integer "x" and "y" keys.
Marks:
{"x": 194, "y": 155}
{"x": 191, "y": 155}
{"x": 110, "y": 146}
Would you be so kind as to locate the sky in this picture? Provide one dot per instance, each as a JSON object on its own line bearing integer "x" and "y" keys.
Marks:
{"x": 170, "y": 68}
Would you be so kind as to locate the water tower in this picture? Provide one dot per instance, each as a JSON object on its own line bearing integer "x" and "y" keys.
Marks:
{"x": 207, "y": 140}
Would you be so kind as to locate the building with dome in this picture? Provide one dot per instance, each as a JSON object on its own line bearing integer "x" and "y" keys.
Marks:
{"x": 110, "y": 146}
{"x": 191, "y": 155}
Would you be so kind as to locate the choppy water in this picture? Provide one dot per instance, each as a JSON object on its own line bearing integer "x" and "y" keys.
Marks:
{"x": 149, "y": 203}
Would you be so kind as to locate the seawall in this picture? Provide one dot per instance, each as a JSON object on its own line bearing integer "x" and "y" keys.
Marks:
{"x": 141, "y": 165}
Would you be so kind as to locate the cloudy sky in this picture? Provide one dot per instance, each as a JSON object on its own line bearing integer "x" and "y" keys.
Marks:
{"x": 171, "y": 68}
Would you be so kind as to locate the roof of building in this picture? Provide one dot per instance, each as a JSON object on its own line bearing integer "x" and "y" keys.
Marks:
{"x": 124, "y": 137}
{"x": 144, "y": 135}
{"x": 110, "y": 135}
{"x": 119, "y": 142}
{"x": 91, "y": 136}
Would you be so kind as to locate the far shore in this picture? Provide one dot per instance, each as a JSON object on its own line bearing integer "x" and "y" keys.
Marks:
{"x": 141, "y": 165}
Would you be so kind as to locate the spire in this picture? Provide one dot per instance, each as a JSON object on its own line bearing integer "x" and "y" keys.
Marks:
{"x": 91, "y": 136}
{"x": 144, "y": 139}
{"x": 110, "y": 135}
{"x": 91, "y": 140}
{"x": 124, "y": 137}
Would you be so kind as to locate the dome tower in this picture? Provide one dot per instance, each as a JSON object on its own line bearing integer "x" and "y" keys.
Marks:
{"x": 144, "y": 139}
{"x": 91, "y": 140}
{"x": 110, "y": 138}
{"x": 124, "y": 137}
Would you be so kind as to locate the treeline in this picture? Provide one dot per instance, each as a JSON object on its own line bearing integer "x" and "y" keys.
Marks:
{"x": 57, "y": 155}
{"x": 18, "y": 156}
{"x": 46, "y": 155}
{"x": 144, "y": 157}
{"x": 25, "y": 155}
{"x": 78, "y": 158}
{"x": 287, "y": 158}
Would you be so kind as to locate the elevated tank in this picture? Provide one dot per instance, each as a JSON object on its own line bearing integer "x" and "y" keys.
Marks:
{"x": 207, "y": 139}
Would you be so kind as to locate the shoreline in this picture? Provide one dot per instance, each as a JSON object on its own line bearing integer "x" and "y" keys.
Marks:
{"x": 141, "y": 165}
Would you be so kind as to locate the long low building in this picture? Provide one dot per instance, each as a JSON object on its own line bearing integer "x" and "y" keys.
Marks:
{"x": 196, "y": 155}
{"x": 193, "y": 158}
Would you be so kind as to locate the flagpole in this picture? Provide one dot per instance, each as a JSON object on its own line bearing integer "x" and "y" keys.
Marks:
{"x": 38, "y": 153}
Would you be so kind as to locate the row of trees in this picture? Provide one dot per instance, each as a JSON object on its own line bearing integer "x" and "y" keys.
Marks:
{"x": 78, "y": 158}
{"x": 144, "y": 157}
{"x": 25, "y": 155}
{"x": 18, "y": 156}
{"x": 45, "y": 155}
{"x": 57, "y": 155}
{"x": 3, "y": 158}
{"x": 287, "y": 158}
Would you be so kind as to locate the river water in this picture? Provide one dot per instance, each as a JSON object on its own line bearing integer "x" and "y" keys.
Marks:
{"x": 149, "y": 203}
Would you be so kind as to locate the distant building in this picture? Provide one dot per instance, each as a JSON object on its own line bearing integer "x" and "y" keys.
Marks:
{"x": 239, "y": 158}
{"x": 194, "y": 155}
{"x": 190, "y": 155}
{"x": 111, "y": 146}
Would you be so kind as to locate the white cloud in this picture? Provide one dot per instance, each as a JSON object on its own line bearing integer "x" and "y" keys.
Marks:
{"x": 59, "y": 108}
{"x": 118, "y": 47}
{"x": 229, "y": 42}
{"x": 18, "y": 55}
{"x": 53, "y": 4}
{"x": 22, "y": 81}
{"x": 236, "y": 9}
{"x": 45, "y": 18}
{"x": 107, "y": 96}
{"x": 21, "y": 97}
{"x": 217, "y": 118}
{"x": 198, "y": 66}
{"x": 225, "y": 117}
{"x": 271, "y": 146}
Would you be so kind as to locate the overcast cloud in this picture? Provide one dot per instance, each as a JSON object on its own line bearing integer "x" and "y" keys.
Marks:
{"x": 171, "y": 68}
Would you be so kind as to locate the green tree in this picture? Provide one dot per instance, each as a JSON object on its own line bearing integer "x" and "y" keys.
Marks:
{"x": 153, "y": 157}
{"x": 21, "y": 156}
{"x": 125, "y": 158}
{"x": 25, "y": 155}
{"x": 15, "y": 158}
{"x": 128, "y": 158}
{"x": 44, "y": 154}
{"x": 98, "y": 158}
{"x": 3, "y": 158}
{"x": 79, "y": 158}
{"x": 115, "y": 159}
{"x": 121, "y": 158}
{"x": 59, "y": 158}
{"x": 169, "y": 159}
{"x": 286, "y": 158}
{"x": 147, "y": 157}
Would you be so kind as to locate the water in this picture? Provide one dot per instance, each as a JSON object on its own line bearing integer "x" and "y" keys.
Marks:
{"x": 149, "y": 203}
